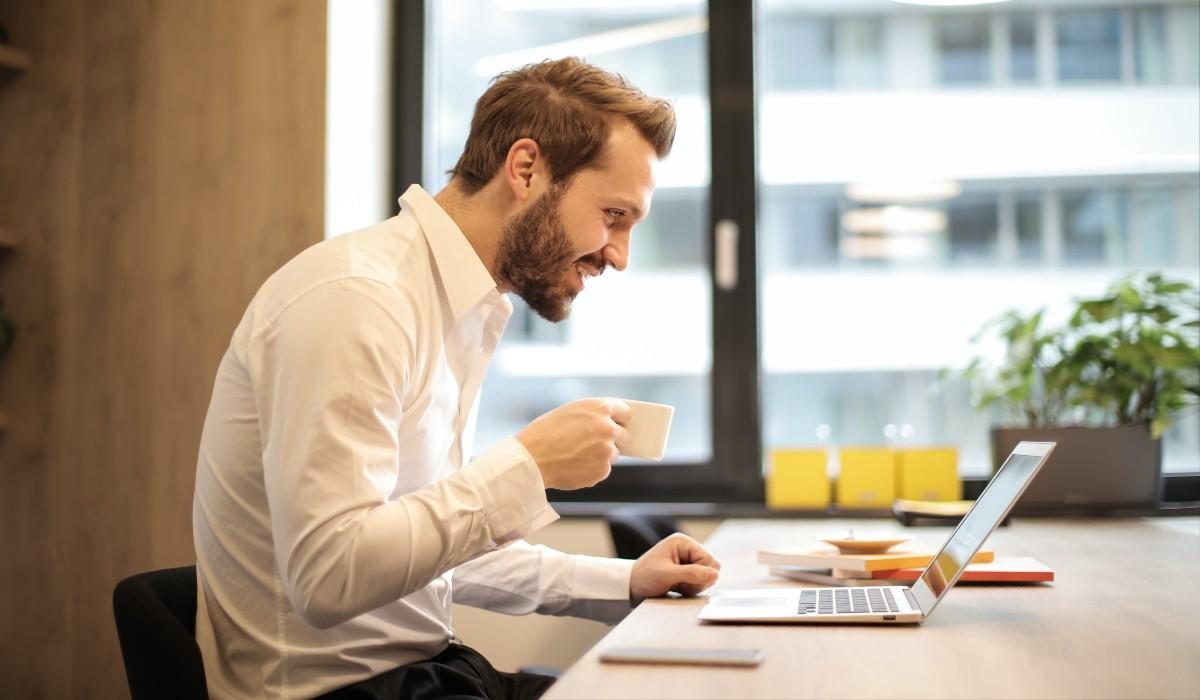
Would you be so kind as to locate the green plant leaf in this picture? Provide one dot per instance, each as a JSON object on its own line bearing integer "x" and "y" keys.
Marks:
{"x": 1173, "y": 357}
{"x": 1129, "y": 296}
{"x": 1168, "y": 288}
{"x": 1100, "y": 310}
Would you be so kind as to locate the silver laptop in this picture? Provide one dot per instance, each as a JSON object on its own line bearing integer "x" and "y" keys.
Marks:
{"x": 893, "y": 604}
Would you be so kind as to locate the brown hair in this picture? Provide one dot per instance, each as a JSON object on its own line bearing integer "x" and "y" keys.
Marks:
{"x": 568, "y": 107}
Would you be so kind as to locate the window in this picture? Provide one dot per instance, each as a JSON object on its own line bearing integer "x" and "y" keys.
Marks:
{"x": 1089, "y": 45}
{"x": 801, "y": 52}
{"x": 1029, "y": 226}
{"x": 847, "y": 305}
{"x": 1022, "y": 48}
{"x": 972, "y": 227}
{"x": 964, "y": 43}
{"x": 1150, "y": 46}
{"x": 647, "y": 333}
{"x": 1092, "y": 225}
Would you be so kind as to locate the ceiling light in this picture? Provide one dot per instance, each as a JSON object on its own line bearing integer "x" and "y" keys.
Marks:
{"x": 902, "y": 192}
{"x": 948, "y": 3}
{"x": 887, "y": 247}
{"x": 894, "y": 220}
{"x": 593, "y": 44}
{"x": 592, "y": 5}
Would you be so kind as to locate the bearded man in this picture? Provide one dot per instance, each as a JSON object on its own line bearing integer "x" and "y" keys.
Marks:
{"x": 337, "y": 512}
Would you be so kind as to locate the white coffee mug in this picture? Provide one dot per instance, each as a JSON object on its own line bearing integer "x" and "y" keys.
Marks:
{"x": 648, "y": 426}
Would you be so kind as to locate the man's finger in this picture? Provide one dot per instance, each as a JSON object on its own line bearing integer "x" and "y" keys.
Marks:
{"x": 689, "y": 551}
{"x": 619, "y": 410}
{"x": 620, "y": 437}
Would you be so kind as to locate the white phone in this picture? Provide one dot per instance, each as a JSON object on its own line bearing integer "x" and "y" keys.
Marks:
{"x": 668, "y": 655}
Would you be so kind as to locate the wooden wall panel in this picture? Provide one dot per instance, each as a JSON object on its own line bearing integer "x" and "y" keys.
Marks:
{"x": 160, "y": 159}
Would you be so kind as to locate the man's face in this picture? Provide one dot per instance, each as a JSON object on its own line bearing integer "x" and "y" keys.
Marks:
{"x": 575, "y": 230}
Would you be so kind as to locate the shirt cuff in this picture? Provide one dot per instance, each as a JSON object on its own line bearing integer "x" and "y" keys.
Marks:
{"x": 513, "y": 490}
{"x": 600, "y": 588}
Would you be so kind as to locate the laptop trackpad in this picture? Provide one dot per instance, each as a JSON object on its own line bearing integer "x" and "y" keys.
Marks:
{"x": 751, "y": 601}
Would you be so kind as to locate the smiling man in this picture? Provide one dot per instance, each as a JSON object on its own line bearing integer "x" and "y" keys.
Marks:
{"x": 336, "y": 515}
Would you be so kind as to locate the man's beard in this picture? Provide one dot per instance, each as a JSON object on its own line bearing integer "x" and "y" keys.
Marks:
{"x": 535, "y": 256}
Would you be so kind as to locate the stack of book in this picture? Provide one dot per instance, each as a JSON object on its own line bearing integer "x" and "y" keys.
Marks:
{"x": 829, "y": 567}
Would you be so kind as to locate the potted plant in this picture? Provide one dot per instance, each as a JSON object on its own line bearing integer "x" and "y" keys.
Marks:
{"x": 1104, "y": 385}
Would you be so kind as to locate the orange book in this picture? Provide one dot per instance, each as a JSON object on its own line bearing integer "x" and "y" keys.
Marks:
{"x": 1004, "y": 569}
{"x": 832, "y": 559}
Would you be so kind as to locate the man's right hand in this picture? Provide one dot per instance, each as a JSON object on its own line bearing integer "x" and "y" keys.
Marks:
{"x": 575, "y": 445}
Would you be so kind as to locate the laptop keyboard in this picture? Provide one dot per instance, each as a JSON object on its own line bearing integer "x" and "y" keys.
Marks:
{"x": 827, "y": 601}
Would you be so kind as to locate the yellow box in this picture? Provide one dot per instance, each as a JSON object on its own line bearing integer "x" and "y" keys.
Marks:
{"x": 928, "y": 474}
{"x": 798, "y": 478}
{"x": 867, "y": 478}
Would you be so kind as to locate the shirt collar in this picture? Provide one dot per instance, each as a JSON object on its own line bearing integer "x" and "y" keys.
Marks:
{"x": 464, "y": 277}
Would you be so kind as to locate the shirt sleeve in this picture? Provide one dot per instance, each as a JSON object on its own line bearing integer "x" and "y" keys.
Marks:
{"x": 524, "y": 578}
{"x": 330, "y": 373}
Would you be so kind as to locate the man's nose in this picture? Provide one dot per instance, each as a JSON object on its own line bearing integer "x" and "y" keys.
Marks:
{"x": 616, "y": 253}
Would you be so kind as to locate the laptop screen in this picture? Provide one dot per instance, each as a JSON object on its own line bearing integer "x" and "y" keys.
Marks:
{"x": 991, "y": 507}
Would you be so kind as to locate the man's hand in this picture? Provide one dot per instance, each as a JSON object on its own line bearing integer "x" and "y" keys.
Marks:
{"x": 677, "y": 563}
{"x": 575, "y": 445}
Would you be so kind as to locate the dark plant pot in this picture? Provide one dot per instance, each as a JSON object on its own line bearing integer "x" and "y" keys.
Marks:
{"x": 1091, "y": 469}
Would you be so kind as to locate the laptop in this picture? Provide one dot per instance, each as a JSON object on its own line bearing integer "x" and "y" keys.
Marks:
{"x": 893, "y": 604}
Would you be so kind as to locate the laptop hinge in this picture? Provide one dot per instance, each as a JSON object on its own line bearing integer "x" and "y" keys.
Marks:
{"x": 912, "y": 601}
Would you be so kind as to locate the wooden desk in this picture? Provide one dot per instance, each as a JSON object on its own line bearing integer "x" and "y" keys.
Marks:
{"x": 1122, "y": 619}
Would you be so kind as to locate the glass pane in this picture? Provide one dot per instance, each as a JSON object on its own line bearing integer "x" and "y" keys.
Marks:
{"x": 894, "y": 223}
{"x": 1089, "y": 45}
{"x": 1022, "y": 48}
{"x": 973, "y": 222}
{"x": 1151, "y": 226}
{"x": 859, "y": 51}
{"x": 1150, "y": 46}
{"x": 629, "y": 335}
{"x": 801, "y": 52}
{"x": 1092, "y": 225}
{"x": 1029, "y": 226}
{"x": 1183, "y": 42}
{"x": 808, "y": 223}
{"x": 965, "y": 47}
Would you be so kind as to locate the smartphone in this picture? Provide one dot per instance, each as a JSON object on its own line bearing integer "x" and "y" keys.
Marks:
{"x": 668, "y": 655}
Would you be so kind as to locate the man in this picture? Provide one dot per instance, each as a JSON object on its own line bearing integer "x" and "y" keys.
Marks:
{"x": 336, "y": 516}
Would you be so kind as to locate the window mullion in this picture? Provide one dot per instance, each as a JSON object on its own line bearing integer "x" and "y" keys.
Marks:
{"x": 737, "y": 444}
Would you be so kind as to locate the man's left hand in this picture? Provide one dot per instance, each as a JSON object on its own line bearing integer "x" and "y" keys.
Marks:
{"x": 677, "y": 563}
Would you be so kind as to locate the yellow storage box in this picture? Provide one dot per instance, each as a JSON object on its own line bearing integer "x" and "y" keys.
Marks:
{"x": 798, "y": 479}
{"x": 867, "y": 478}
{"x": 928, "y": 474}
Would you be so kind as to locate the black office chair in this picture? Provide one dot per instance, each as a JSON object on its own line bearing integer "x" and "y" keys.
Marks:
{"x": 634, "y": 530}
{"x": 156, "y": 624}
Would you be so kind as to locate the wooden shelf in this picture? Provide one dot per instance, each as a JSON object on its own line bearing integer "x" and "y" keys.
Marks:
{"x": 14, "y": 59}
{"x": 8, "y": 240}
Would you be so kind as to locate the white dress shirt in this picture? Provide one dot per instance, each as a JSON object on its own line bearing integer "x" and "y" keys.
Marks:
{"x": 334, "y": 516}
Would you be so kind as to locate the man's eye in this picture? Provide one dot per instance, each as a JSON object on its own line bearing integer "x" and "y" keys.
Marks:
{"x": 614, "y": 213}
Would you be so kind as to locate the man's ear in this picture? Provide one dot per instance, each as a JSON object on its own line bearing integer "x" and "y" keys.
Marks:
{"x": 525, "y": 169}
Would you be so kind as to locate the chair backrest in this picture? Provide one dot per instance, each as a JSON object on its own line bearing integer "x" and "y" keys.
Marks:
{"x": 155, "y": 614}
{"x": 635, "y": 530}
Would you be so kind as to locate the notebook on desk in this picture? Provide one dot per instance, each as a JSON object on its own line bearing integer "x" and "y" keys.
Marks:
{"x": 893, "y": 604}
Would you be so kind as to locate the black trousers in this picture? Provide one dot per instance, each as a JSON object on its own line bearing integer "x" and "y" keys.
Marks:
{"x": 459, "y": 672}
